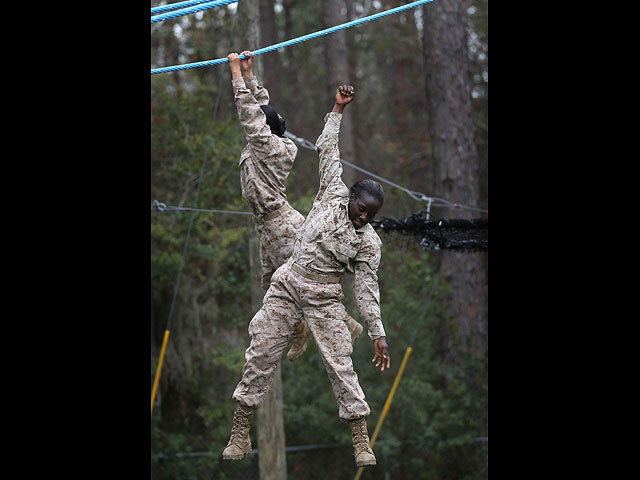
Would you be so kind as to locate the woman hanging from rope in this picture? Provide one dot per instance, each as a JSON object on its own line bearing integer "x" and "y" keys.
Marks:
{"x": 335, "y": 238}
{"x": 265, "y": 164}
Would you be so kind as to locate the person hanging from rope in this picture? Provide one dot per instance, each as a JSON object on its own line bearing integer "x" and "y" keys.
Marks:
{"x": 335, "y": 238}
{"x": 265, "y": 164}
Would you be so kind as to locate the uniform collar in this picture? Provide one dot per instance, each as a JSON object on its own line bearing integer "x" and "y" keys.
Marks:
{"x": 345, "y": 203}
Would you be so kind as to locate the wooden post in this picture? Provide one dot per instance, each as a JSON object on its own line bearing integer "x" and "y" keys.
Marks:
{"x": 270, "y": 424}
{"x": 271, "y": 441}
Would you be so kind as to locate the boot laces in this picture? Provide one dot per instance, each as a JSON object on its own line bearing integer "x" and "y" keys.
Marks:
{"x": 360, "y": 437}
{"x": 241, "y": 424}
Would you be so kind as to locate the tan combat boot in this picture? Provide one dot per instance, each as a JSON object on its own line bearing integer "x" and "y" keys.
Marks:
{"x": 239, "y": 443}
{"x": 361, "y": 449}
{"x": 300, "y": 340}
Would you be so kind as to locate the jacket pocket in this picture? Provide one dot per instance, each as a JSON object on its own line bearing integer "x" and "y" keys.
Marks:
{"x": 346, "y": 250}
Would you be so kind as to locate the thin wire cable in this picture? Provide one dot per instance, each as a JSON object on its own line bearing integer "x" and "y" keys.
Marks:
{"x": 173, "y": 6}
{"x": 293, "y": 41}
{"x": 303, "y": 142}
{"x": 161, "y": 207}
{"x": 310, "y": 146}
{"x": 190, "y": 10}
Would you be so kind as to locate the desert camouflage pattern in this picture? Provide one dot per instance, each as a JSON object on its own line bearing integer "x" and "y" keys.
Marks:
{"x": 328, "y": 243}
{"x": 266, "y": 160}
{"x": 257, "y": 91}
{"x": 265, "y": 164}
{"x": 289, "y": 297}
{"x": 276, "y": 237}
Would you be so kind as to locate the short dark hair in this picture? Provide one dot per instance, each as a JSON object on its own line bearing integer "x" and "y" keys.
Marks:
{"x": 275, "y": 121}
{"x": 369, "y": 186}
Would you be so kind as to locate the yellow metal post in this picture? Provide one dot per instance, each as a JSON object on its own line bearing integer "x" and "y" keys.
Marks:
{"x": 387, "y": 404}
{"x": 160, "y": 360}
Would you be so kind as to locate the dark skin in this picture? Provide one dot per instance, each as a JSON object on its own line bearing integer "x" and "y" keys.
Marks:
{"x": 361, "y": 211}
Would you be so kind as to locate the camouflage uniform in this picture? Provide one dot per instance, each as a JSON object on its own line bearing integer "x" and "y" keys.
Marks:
{"x": 328, "y": 242}
{"x": 308, "y": 285}
{"x": 265, "y": 164}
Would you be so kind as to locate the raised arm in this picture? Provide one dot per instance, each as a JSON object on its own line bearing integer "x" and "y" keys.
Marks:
{"x": 327, "y": 143}
{"x": 344, "y": 96}
{"x": 252, "y": 118}
{"x": 258, "y": 91}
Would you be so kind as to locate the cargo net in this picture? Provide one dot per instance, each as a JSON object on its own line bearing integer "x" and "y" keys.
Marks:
{"x": 436, "y": 234}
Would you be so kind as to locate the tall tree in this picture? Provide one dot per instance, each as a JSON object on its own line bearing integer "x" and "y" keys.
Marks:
{"x": 271, "y": 440}
{"x": 338, "y": 62}
{"x": 448, "y": 92}
{"x": 269, "y": 36}
{"x": 400, "y": 60}
{"x": 249, "y": 29}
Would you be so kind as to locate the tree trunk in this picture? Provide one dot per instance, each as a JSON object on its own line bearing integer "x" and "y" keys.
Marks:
{"x": 269, "y": 34}
{"x": 249, "y": 28}
{"x": 448, "y": 93}
{"x": 271, "y": 441}
{"x": 338, "y": 61}
{"x": 401, "y": 75}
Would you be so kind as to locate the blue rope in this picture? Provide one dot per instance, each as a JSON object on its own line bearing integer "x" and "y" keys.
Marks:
{"x": 173, "y": 6}
{"x": 304, "y": 38}
{"x": 189, "y": 10}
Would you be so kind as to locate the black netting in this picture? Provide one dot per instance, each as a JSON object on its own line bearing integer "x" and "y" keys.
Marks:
{"x": 450, "y": 234}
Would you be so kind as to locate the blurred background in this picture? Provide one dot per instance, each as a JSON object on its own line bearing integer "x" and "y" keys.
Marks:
{"x": 419, "y": 120}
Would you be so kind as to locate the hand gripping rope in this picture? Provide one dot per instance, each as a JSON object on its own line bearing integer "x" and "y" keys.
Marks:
{"x": 304, "y": 38}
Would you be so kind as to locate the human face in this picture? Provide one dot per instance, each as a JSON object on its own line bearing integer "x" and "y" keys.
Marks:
{"x": 362, "y": 209}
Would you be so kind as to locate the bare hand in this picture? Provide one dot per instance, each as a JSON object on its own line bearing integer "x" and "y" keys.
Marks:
{"x": 381, "y": 354}
{"x": 344, "y": 94}
{"x": 247, "y": 63}
{"x": 234, "y": 59}
{"x": 234, "y": 65}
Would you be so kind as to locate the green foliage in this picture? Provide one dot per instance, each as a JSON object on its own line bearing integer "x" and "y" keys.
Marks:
{"x": 440, "y": 407}
{"x": 437, "y": 412}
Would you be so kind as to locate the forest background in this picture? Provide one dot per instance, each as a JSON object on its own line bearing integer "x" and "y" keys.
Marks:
{"x": 407, "y": 105}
